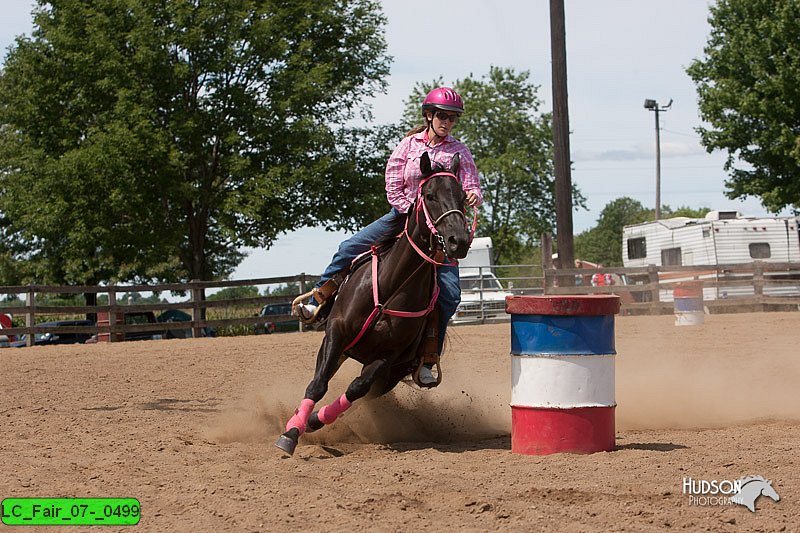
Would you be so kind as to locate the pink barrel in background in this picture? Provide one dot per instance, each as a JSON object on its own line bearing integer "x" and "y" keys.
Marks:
{"x": 562, "y": 367}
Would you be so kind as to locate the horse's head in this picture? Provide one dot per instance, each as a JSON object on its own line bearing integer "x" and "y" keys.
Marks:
{"x": 751, "y": 487}
{"x": 768, "y": 490}
{"x": 441, "y": 199}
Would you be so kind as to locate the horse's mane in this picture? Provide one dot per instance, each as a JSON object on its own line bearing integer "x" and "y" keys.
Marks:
{"x": 748, "y": 479}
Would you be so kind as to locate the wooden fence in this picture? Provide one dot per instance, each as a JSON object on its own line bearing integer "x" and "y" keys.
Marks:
{"x": 726, "y": 288}
{"x": 196, "y": 306}
{"x": 750, "y": 286}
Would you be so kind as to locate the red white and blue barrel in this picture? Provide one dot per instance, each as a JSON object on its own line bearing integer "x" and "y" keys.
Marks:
{"x": 562, "y": 369}
{"x": 688, "y": 302}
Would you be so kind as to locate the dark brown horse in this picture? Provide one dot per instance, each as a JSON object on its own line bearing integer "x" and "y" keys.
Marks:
{"x": 378, "y": 320}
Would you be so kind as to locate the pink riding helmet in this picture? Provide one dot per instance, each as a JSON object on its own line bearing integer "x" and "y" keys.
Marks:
{"x": 443, "y": 98}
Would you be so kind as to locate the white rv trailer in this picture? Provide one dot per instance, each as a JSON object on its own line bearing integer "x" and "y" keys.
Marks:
{"x": 718, "y": 239}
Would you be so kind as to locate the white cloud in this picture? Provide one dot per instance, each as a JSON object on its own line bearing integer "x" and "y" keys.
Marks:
{"x": 641, "y": 151}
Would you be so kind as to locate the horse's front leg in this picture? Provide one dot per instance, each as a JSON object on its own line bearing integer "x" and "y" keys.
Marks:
{"x": 358, "y": 388}
{"x": 327, "y": 364}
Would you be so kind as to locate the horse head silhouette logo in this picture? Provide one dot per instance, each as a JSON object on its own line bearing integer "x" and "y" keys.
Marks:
{"x": 751, "y": 488}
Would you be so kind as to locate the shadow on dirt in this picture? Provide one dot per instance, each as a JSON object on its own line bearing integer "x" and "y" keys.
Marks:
{"x": 172, "y": 404}
{"x": 492, "y": 443}
{"x": 167, "y": 404}
{"x": 652, "y": 446}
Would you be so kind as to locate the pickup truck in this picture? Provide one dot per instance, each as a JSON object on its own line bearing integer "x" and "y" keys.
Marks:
{"x": 482, "y": 296}
{"x": 279, "y": 319}
{"x": 130, "y": 318}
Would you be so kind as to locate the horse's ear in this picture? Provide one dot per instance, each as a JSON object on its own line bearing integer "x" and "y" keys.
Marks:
{"x": 455, "y": 164}
{"x": 425, "y": 164}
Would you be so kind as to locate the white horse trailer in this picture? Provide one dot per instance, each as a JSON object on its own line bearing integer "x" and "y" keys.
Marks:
{"x": 482, "y": 294}
{"x": 479, "y": 255}
{"x": 721, "y": 238}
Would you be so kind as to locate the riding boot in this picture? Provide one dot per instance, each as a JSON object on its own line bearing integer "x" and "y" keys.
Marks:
{"x": 428, "y": 351}
{"x": 326, "y": 290}
{"x": 309, "y": 313}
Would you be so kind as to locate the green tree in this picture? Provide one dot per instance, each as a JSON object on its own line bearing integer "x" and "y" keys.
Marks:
{"x": 688, "y": 212}
{"x": 747, "y": 87}
{"x": 232, "y": 293}
{"x": 511, "y": 141}
{"x": 11, "y": 268}
{"x": 139, "y": 299}
{"x": 289, "y": 289}
{"x": 149, "y": 140}
{"x": 602, "y": 244}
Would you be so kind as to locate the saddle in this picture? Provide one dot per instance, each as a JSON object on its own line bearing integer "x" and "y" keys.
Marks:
{"x": 427, "y": 349}
{"x": 326, "y": 293}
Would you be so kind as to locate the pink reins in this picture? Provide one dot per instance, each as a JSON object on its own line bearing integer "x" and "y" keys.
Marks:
{"x": 378, "y": 306}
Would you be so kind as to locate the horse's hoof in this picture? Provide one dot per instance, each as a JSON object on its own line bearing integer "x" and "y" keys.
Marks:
{"x": 314, "y": 423}
{"x": 286, "y": 444}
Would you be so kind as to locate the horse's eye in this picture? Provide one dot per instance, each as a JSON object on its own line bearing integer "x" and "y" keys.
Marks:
{"x": 430, "y": 198}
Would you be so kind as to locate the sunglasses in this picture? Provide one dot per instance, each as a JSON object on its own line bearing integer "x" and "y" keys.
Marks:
{"x": 444, "y": 117}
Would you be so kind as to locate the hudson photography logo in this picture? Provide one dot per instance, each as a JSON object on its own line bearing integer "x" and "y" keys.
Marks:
{"x": 743, "y": 491}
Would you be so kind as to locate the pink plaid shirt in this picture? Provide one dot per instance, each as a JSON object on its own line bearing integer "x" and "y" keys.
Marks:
{"x": 403, "y": 173}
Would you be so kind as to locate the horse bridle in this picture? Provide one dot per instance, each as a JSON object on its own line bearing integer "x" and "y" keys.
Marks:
{"x": 381, "y": 308}
{"x": 421, "y": 206}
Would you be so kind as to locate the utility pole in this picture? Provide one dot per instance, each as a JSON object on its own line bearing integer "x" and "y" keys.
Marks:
{"x": 561, "y": 157}
{"x": 652, "y": 105}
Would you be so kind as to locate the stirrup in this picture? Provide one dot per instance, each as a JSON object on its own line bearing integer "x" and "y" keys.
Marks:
{"x": 431, "y": 358}
{"x": 297, "y": 302}
{"x": 321, "y": 294}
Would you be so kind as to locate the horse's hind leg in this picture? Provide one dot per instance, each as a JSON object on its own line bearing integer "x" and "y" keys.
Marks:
{"x": 358, "y": 388}
{"x": 328, "y": 362}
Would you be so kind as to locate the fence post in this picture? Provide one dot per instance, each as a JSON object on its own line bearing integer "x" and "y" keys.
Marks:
{"x": 112, "y": 317}
{"x": 547, "y": 282}
{"x": 30, "y": 316}
{"x": 480, "y": 294}
{"x": 302, "y": 327}
{"x": 758, "y": 280}
{"x": 547, "y": 250}
{"x": 197, "y": 301}
{"x": 655, "y": 295}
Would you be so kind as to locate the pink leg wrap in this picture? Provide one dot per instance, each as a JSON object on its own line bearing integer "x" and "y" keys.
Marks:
{"x": 329, "y": 413}
{"x": 301, "y": 416}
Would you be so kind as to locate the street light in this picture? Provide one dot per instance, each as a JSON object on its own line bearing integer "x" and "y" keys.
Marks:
{"x": 652, "y": 105}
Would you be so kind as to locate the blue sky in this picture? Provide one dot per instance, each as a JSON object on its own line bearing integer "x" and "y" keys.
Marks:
{"x": 619, "y": 52}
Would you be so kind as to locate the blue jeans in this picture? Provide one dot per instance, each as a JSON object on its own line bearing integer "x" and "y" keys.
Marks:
{"x": 382, "y": 229}
{"x": 386, "y": 227}
{"x": 449, "y": 298}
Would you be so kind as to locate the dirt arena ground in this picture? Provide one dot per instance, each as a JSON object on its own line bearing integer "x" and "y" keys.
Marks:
{"x": 188, "y": 426}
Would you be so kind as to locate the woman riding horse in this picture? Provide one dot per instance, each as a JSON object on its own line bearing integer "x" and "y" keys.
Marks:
{"x": 440, "y": 110}
{"x": 380, "y": 313}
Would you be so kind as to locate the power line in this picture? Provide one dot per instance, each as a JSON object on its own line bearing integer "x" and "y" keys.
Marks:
{"x": 584, "y": 169}
{"x": 577, "y": 139}
{"x": 646, "y": 193}
{"x": 684, "y": 134}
